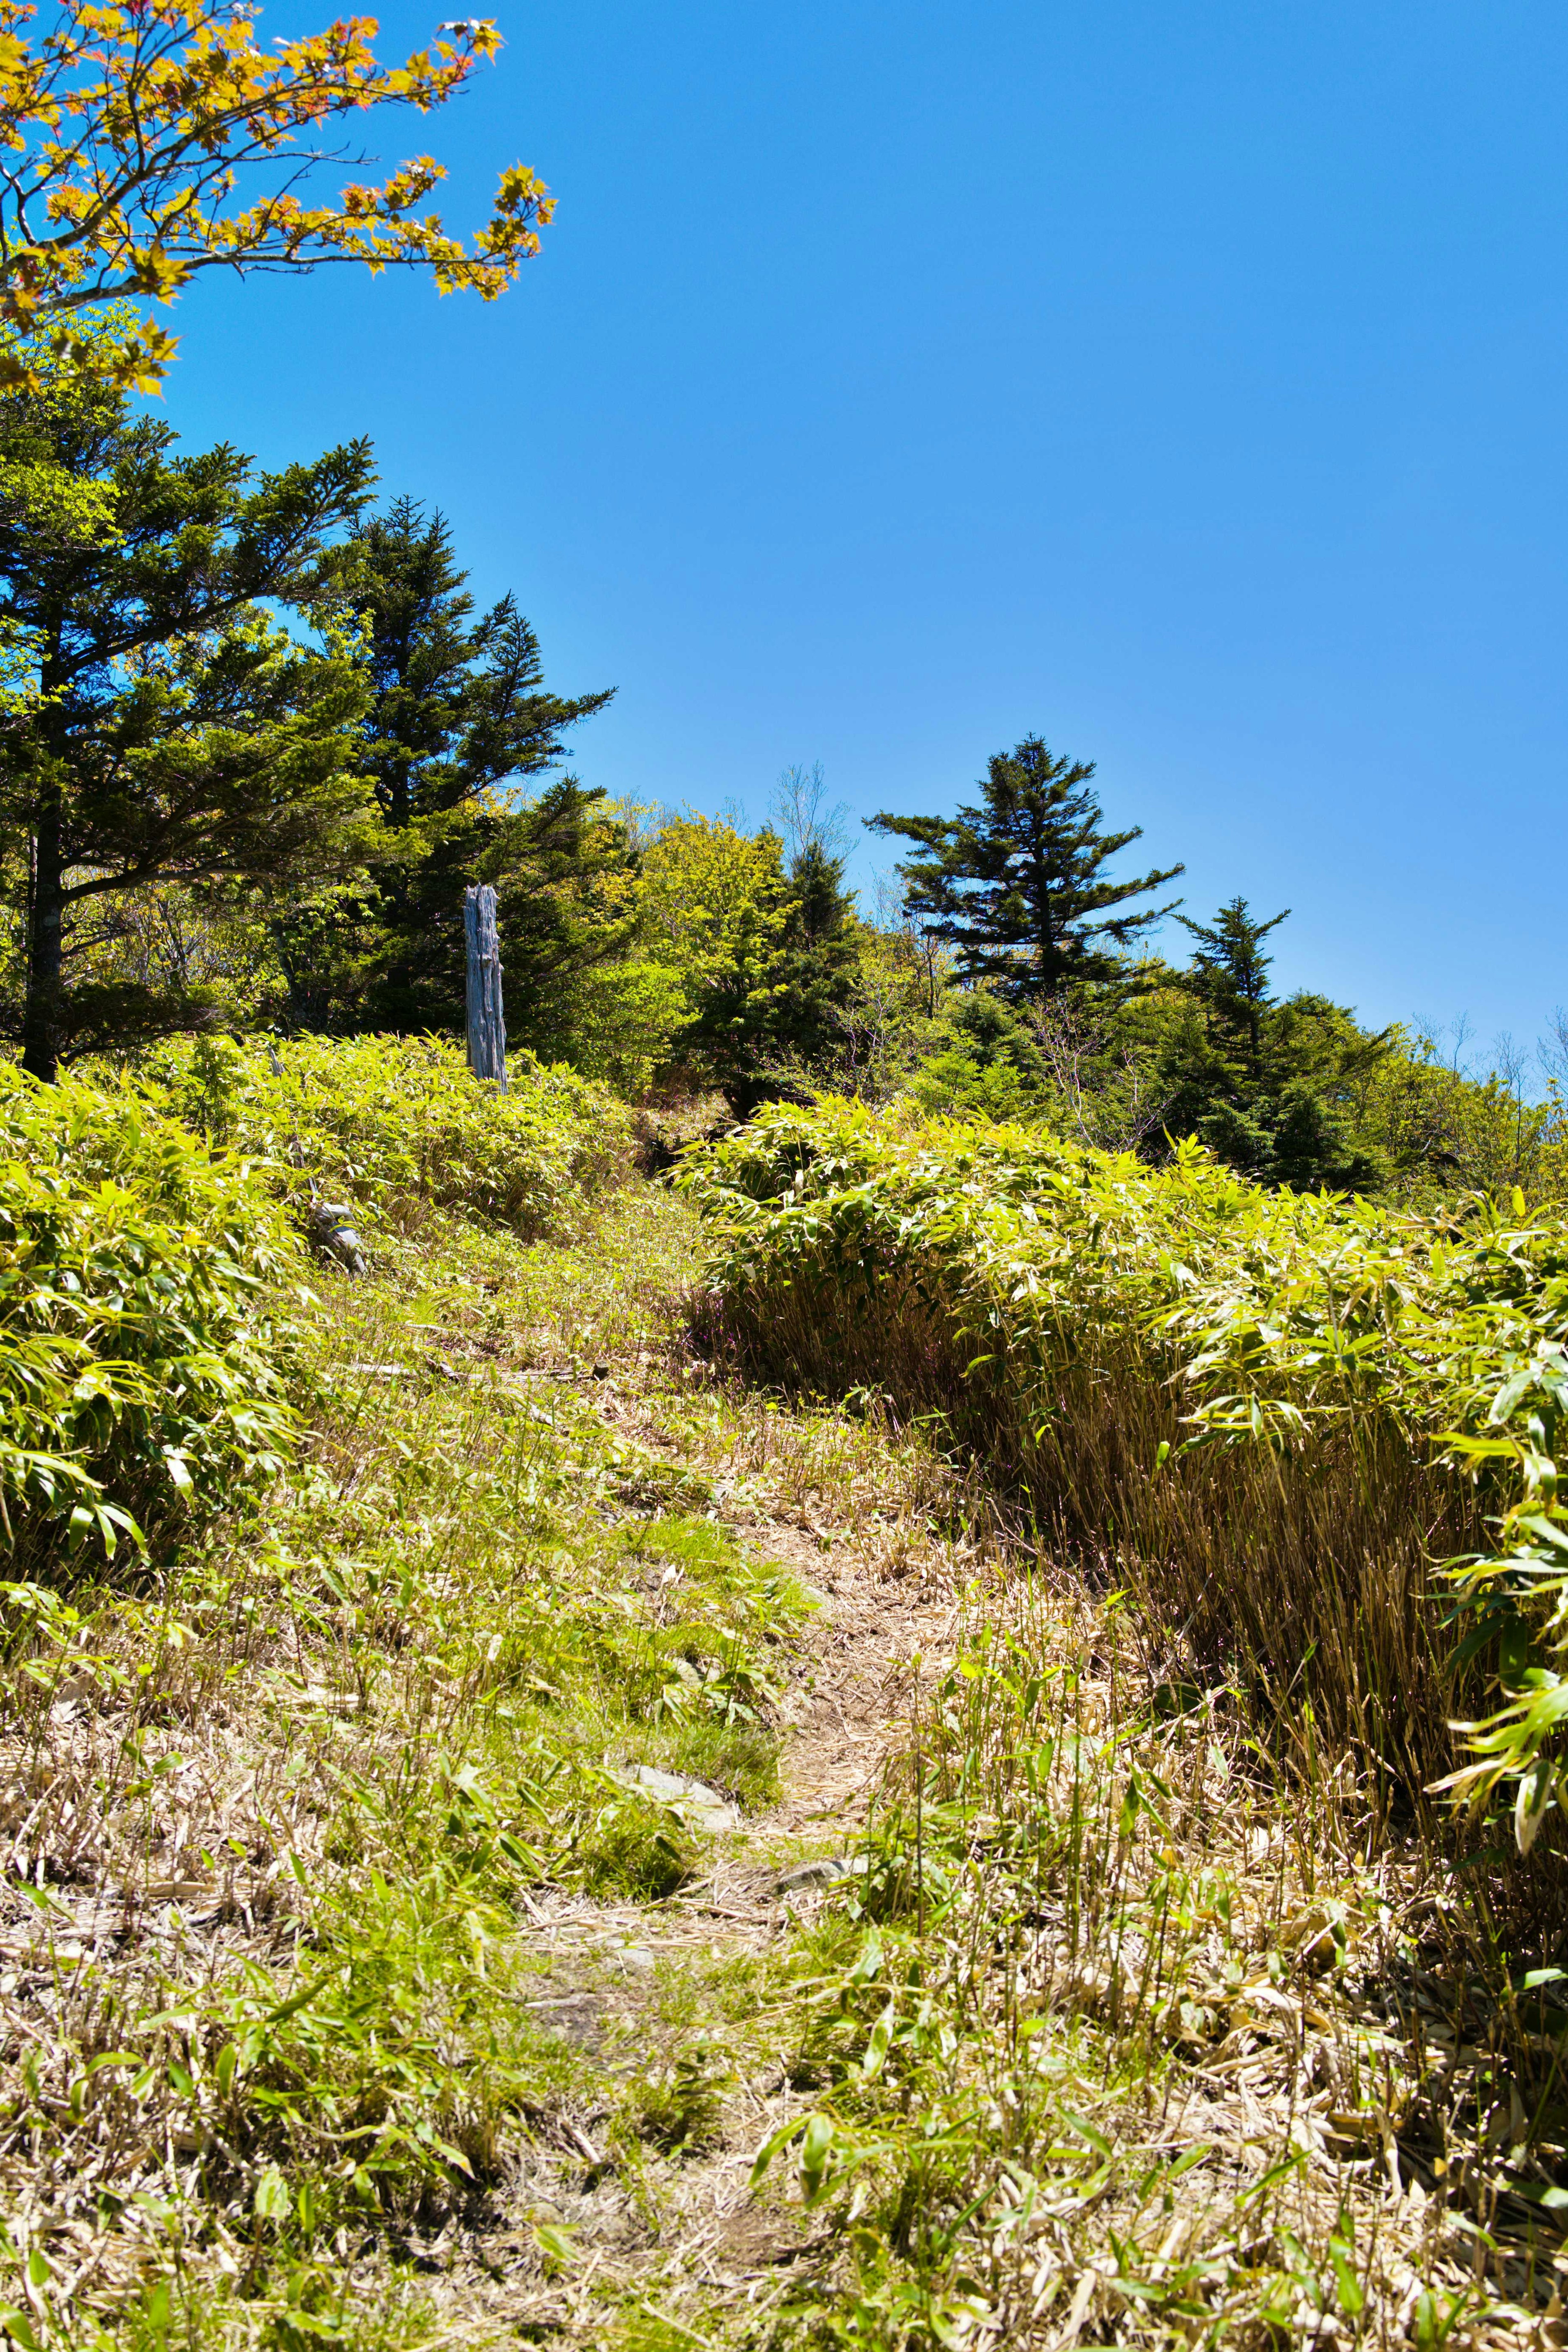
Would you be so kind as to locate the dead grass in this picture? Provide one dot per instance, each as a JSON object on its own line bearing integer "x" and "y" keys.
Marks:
{"x": 1119, "y": 2040}
{"x": 1111, "y": 2028}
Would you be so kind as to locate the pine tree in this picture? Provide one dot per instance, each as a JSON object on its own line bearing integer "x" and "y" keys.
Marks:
{"x": 1017, "y": 885}
{"x": 159, "y": 723}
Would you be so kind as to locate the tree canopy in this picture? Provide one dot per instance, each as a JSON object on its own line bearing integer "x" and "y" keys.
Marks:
{"x": 165, "y": 724}
{"x": 1017, "y": 883}
{"x": 460, "y": 729}
{"x": 256, "y": 738}
{"x": 142, "y": 143}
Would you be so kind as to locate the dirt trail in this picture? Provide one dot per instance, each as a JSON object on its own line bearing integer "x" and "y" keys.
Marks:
{"x": 848, "y": 1695}
{"x": 686, "y": 2237}
{"x": 849, "y": 1687}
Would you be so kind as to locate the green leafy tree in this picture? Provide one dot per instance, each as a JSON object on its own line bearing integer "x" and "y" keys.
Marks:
{"x": 1015, "y": 883}
{"x": 984, "y": 1061}
{"x": 1450, "y": 1126}
{"x": 716, "y": 900}
{"x": 162, "y": 724}
{"x": 768, "y": 953}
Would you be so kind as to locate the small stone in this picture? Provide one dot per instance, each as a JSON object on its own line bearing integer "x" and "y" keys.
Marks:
{"x": 825, "y": 1872}
{"x": 704, "y": 1807}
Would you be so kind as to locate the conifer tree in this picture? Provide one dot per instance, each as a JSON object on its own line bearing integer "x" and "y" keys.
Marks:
{"x": 459, "y": 705}
{"x": 159, "y": 723}
{"x": 1262, "y": 1083}
{"x": 1017, "y": 885}
{"x": 818, "y": 957}
{"x": 820, "y": 948}
{"x": 460, "y": 726}
{"x": 1230, "y": 972}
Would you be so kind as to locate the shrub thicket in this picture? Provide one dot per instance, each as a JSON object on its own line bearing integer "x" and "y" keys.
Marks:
{"x": 143, "y": 1362}
{"x": 138, "y": 1361}
{"x": 399, "y": 1125}
{"x": 1275, "y": 1416}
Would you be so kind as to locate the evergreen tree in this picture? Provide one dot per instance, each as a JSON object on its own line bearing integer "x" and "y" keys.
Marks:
{"x": 1230, "y": 972}
{"x": 819, "y": 956}
{"x": 460, "y": 726}
{"x": 159, "y": 724}
{"x": 567, "y": 877}
{"x": 1265, "y": 1084}
{"x": 1017, "y": 885}
{"x": 459, "y": 705}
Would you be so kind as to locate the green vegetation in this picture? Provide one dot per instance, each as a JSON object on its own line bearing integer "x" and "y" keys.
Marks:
{"x": 943, "y": 1732}
{"x": 172, "y": 731}
{"x": 1016, "y": 886}
{"x": 141, "y": 1337}
{"x": 266, "y": 740}
{"x": 396, "y": 1126}
{"x": 410, "y": 1926}
{"x": 449, "y": 1628}
{"x": 1269, "y": 1416}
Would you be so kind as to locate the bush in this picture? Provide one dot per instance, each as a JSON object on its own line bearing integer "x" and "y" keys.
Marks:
{"x": 400, "y": 1124}
{"x": 139, "y": 1367}
{"x": 1268, "y": 1414}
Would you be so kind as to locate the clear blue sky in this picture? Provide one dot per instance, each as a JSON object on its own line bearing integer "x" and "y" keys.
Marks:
{"x": 1186, "y": 384}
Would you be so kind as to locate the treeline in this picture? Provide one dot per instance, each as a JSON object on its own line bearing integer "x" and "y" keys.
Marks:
{"x": 257, "y": 737}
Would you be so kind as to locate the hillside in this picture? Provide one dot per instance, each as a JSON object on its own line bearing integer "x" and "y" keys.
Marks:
{"x": 587, "y": 1809}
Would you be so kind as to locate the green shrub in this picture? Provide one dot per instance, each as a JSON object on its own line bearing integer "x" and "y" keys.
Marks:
{"x": 400, "y": 1124}
{"x": 1268, "y": 1414}
{"x": 138, "y": 1364}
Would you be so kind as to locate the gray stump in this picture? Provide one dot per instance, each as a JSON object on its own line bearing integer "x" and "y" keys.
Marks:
{"x": 487, "y": 1021}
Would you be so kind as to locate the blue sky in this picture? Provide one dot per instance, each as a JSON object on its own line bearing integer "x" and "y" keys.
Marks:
{"x": 1185, "y": 385}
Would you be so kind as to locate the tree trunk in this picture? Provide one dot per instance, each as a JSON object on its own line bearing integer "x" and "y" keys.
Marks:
{"x": 41, "y": 1022}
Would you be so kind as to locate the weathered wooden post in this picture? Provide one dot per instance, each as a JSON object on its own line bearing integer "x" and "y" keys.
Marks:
{"x": 487, "y": 1020}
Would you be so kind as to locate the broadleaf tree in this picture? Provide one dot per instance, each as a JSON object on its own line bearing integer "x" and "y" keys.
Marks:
{"x": 142, "y": 144}
{"x": 1015, "y": 883}
{"x": 715, "y": 903}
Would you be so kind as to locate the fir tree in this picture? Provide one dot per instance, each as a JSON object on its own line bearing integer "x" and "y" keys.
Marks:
{"x": 1230, "y": 972}
{"x": 159, "y": 724}
{"x": 818, "y": 958}
{"x": 459, "y": 705}
{"x": 1017, "y": 885}
{"x": 1264, "y": 1084}
{"x": 460, "y": 726}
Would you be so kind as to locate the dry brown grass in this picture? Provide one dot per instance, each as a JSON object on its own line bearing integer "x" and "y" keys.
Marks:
{"x": 1308, "y": 1580}
{"x": 1180, "y": 2037}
